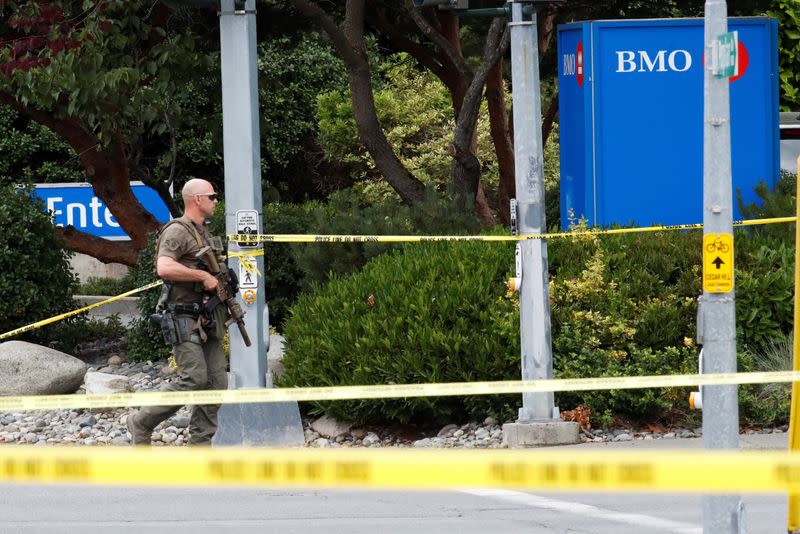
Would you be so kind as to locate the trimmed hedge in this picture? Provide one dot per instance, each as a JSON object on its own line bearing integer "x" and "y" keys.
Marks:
{"x": 35, "y": 277}
{"x": 622, "y": 305}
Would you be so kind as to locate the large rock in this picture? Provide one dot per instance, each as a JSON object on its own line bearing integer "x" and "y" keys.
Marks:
{"x": 328, "y": 427}
{"x": 29, "y": 369}
{"x": 106, "y": 383}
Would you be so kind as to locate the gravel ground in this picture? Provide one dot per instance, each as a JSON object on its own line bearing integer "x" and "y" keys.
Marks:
{"x": 107, "y": 427}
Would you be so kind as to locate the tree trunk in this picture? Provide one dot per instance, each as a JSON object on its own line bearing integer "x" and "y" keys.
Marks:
{"x": 124, "y": 252}
{"x": 409, "y": 188}
{"x": 503, "y": 143}
{"x": 111, "y": 183}
{"x": 349, "y": 42}
{"x": 549, "y": 119}
{"x": 465, "y": 170}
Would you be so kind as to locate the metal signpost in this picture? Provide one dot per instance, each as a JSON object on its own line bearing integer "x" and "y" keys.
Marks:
{"x": 793, "y": 515}
{"x": 716, "y": 328}
{"x": 274, "y": 424}
{"x": 539, "y": 422}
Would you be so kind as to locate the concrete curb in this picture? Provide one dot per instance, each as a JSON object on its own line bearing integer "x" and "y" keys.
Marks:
{"x": 126, "y": 307}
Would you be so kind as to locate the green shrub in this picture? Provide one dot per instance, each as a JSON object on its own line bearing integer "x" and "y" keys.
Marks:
{"x": 349, "y": 212}
{"x": 625, "y": 306}
{"x": 425, "y": 313}
{"x": 621, "y": 305}
{"x": 764, "y": 278}
{"x": 144, "y": 339}
{"x": 284, "y": 277}
{"x": 105, "y": 286}
{"x": 767, "y": 404}
{"x": 70, "y": 335}
{"x": 35, "y": 277}
{"x": 777, "y": 202}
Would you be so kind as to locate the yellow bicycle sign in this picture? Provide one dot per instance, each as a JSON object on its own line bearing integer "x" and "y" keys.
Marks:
{"x": 718, "y": 263}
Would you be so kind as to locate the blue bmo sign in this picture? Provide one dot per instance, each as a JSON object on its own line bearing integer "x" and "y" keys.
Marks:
{"x": 631, "y": 118}
{"x": 76, "y": 205}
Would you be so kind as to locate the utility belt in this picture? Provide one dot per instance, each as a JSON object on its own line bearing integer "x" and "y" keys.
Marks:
{"x": 179, "y": 323}
{"x": 185, "y": 309}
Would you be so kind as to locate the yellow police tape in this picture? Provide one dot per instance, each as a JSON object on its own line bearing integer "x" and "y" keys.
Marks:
{"x": 245, "y": 255}
{"x": 666, "y": 471}
{"x": 175, "y": 398}
{"x": 56, "y": 318}
{"x": 312, "y": 238}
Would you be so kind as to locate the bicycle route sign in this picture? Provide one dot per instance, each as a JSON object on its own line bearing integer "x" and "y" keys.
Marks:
{"x": 718, "y": 263}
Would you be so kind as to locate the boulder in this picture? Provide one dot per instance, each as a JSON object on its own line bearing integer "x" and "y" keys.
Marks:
{"x": 30, "y": 369}
{"x": 328, "y": 427}
{"x": 106, "y": 383}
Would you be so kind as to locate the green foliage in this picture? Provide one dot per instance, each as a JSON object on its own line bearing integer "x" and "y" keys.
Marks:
{"x": 292, "y": 72}
{"x": 621, "y": 305}
{"x": 116, "y": 70}
{"x": 105, "y": 286}
{"x": 35, "y": 278}
{"x": 416, "y": 113}
{"x": 292, "y": 268}
{"x": 766, "y": 404}
{"x": 625, "y": 306}
{"x": 349, "y": 212}
{"x": 421, "y": 314}
{"x": 68, "y": 336}
{"x": 552, "y": 179}
{"x": 788, "y": 14}
{"x": 285, "y": 278}
{"x": 144, "y": 339}
{"x": 32, "y": 153}
{"x": 778, "y": 202}
{"x": 764, "y": 292}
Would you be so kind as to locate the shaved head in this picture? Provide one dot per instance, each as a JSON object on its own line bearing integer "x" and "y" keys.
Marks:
{"x": 196, "y": 186}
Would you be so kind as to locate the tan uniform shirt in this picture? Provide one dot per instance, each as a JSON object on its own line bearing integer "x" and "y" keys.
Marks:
{"x": 180, "y": 244}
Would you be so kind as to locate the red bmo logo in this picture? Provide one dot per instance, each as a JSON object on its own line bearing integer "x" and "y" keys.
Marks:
{"x": 573, "y": 64}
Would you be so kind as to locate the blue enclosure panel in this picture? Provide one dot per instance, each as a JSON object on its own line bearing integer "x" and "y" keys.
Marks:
{"x": 642, "y": 106}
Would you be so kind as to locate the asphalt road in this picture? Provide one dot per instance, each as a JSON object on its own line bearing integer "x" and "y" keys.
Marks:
{"x": 87, "y": 510}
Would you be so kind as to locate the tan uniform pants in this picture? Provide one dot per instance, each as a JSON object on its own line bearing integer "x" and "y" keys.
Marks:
{"x": 200, "y": 366}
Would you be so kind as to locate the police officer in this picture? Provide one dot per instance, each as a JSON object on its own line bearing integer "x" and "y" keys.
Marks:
{"x": 198, "y": 352}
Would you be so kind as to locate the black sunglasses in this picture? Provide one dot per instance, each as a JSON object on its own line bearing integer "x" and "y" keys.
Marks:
{"x": 211, "y": 196}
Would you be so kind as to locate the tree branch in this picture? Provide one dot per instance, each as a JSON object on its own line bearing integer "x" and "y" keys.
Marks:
{"x": 350, "y": 45}
{"x": 421, "y": 53}
{"x": 438, "y": 39}
{"x": 124, "y": 252}
{"x": 496, "y": 44}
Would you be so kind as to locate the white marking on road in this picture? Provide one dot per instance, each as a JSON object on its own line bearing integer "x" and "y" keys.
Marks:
{"x": 586, "y": 510}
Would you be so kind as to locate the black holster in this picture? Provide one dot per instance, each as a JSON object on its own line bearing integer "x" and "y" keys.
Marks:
{"x": 169, "y": 330}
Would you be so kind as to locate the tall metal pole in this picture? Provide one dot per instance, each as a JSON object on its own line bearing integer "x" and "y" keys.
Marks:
{"x": 273, "y": 424}
{"x": 717, "y": 328}
{"x": 537, "y": 359}
{"x": 242, "y": 153}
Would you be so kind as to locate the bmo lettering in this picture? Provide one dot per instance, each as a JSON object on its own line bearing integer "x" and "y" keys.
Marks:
{"x": 640, "y": 61}
{"x": 569, "y": 64}
{"x": 76, "y": 213}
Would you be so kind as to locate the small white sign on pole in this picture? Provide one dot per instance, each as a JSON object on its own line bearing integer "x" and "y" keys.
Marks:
{"x": 247, "y": 223}
{"x": 247, "y": 280}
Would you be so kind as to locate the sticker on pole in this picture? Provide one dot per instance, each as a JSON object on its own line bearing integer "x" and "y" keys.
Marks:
{"x": 247, "y": 224}
{"x": 718, "y": 263}
{"x": 247, "y": 279}
{"x": 725, "y": 57}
